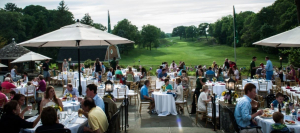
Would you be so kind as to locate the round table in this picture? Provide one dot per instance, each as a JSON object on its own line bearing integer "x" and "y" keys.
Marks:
{"x": 115, "y": 92}
{"x": 84, "y": 83}
{"x": 164, "y": 104}
{"x": 266, "y": 124}
{"x": 217, "y": 88}
{"x": 255, "y": 82}
{"x": 75, "y": 106}
{"x": 72, "y": 122}
{"x": 160, "y": 83}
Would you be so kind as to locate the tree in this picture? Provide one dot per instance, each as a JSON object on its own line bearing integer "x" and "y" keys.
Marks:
{"x": 61, "y": 17}
{"x": 202, "y": 29}
{"x": 12, "y": 7}
{"x": 150, "y": 34}
{"x": 179, "y": 31}
{"x": 11, "y": 27}
{"x": 87, "y": 19}
{"x": 162, "y": 34}
{"x": 99, "y": 26}
{"x": 191, "y": 31}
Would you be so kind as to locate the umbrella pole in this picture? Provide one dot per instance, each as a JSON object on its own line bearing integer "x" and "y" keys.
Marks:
{"x": 79, "y": 87}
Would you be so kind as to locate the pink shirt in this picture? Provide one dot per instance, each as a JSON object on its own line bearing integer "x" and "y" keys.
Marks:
{"x": 42, "y": 86}
{"x": 2, "y": 96}
{"x": 7, "y": 85}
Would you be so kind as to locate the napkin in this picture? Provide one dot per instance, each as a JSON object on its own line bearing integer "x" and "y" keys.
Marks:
{"x": 222, "y": 84}
{"x": 288, "y": 87}
{"x": 78, "y": 121}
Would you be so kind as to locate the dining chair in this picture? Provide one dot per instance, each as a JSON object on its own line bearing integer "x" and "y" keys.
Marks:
{"x": 261, "y": 101}
{"x": 121, "y": 91}
{"x": 209, "y": 76}
{"x": 192, "y": 89}
{"x": 30, "y": 94}
{"x": 101, "y": 92}
{"x": 141, "y": 103}
{"x": 263, "y": 88}
{"x": 184, "y": 102}
{"x": 209, "y": 114}
{"x": 200, "y": 112}
{"x": 129, "y": 79}
{"x": 293, "y": 83}
{"x": 134, "y": 93}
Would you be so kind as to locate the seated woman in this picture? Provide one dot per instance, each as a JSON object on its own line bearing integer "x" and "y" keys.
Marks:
{"x": 20, "y": 98}
{"x": 203, "y": 98}
{"x": 143, "y": 73}
{"x": 292, "y": 74}
{"x": 50, "y": 99}
{"x": 184, "y": 80}
{"x": 179, "y": 92}
{"x": 10, "y": 120}
{"x": 42, "y": 84}
{"x": 168, "y": 86}
{"x": 220, "y": 75}
{"x": 109, "y": 74}
{"x": 130, "y": 72}
{"x": 35, "y": 81}
{"x": 25, "y": 78}
{"x": 236, "y": 73}
{"x": 230, "y": 73}
{"x": 82, "y": 68}
{"x": 12, "y": 94}
{"x": 49, "y": 120}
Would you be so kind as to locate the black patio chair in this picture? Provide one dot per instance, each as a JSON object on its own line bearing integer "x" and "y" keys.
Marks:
{"x": 113, "y": 122}
{"x": 234, "y": 123}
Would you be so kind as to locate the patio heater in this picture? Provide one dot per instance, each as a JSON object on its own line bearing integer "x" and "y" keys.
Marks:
{"x": 230, "y": 85}
{"x": 109, "y": 87}
{"x": 70, "y": 59}
{"x": 280, "y": 59}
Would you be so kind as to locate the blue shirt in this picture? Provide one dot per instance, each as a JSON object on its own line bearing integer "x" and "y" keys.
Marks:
{"x": 73, "y": 92}
{"x": 269, "y": 66}
{"x": 169, "y": 87}
{"x": 99, "y": 102}
{"x": 275, "y": 104}
{"x": 180, "y": 73}
{"x": 243, "y": 111}
{"x": 144, "y": 92}
{"x": 159, "y": 71}
{"x": 210, "y": 72}
{"x": 160, "y": 75}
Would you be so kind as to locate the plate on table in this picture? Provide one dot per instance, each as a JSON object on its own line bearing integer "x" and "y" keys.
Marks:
{"x": 288, "y": 122}
{"x": 267, "y": 116}
{"x": 293, "y": 90}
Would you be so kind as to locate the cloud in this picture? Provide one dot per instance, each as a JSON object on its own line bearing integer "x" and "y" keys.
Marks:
{"x": 165, "y": 14}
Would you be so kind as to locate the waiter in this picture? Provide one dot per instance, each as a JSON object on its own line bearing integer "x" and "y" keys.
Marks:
{"x": 252, "y": 67}
{"x": 269, "y": 69}
{"x": 46, "y": 71}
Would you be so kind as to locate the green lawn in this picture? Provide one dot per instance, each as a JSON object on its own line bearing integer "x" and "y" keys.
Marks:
{"x": 194, "y": 53}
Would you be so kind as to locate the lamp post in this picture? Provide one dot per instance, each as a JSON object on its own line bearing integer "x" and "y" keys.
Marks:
{"x": 230, "y": 84}
{"x": 70, "y": 59}
{"x": 280, "y": 59}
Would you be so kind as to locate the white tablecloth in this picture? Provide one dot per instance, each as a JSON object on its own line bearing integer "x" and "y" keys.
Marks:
{"x": 73, "y": 122}
{"x": 164, "y": 104}
{"x": 22, "y": 89}
{"x": 75, "y": 106}
{"x": 217, "y": 88}
{"x": 84, "y": 83}
{"x": 160, "y": 83}
{"x": 292, "y": 92}
{"x": 255, "y": 82}
{"x": 115, "y": 92}
{"x": 266, "y": 124}
{"x": 136, "y": 78}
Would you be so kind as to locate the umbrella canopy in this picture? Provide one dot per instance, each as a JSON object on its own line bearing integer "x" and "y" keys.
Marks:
{"x": 31, "y": 56}
{"x": 75, "y": 35}
{"x": 290, "y": 38}
{"x": 1, "y": 65}
{"x": 67, "y": 36}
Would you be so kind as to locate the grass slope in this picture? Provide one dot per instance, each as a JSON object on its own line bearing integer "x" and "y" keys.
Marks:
{"x": 194, "y": 53}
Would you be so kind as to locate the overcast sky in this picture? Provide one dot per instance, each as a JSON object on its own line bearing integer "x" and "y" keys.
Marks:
{"x": 165, "y": 14}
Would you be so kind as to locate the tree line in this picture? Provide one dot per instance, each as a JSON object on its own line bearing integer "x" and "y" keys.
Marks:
{"x": 35, "y": 20}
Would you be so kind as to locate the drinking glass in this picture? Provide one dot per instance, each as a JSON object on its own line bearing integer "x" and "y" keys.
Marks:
{"x": 69, "y": 111}
{"x": 29, "y": 107}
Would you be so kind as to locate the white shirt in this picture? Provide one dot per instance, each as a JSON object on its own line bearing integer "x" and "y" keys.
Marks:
{"x": 236, "y": 73}
{"x": 109, "y": 75}
{"x": 12, "y": 72}
{"x": 201, "y": 101}
{"x": 25, "y": 80}
{"x": 179, "y": 93}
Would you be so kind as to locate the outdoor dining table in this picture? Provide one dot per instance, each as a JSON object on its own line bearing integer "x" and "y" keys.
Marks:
{"x": 72, "y": 122}
{"x": 217, "y": 87}
{"x": 164, "y": 104}
{"x": 84, "y": 83}
{"x": 256, "y": 81}
{"x": 73, "y": 105}
{"x": 136, "y": 77}
{"x": 266, "y": 123}
{"x": 160, "y": 83}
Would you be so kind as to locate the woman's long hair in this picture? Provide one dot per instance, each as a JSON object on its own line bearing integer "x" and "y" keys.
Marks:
{"x": 48, "y": 95}
{"x": 204, "y": 87}
{"x": 219, "y": 71}
{"x": 97, "y": 61}
{"x": 230, "y": 71}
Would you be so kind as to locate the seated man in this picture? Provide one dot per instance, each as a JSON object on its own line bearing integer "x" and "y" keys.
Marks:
{"x": 91, "y": 91}
{"x": 145, "y": 95}
{"x": 97, "y": 119}
{"x": 159, "y": 70}
{"x": 163, "y": 74}
{"x": 118, "y": 72}
{"x": 210, "y": 72}
{"x": 7, "y": 84}
{"x": 243, "y": 110}
{"x": 71, "y": 90}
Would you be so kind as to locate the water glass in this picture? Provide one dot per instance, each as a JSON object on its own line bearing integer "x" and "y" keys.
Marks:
{"x": 29, "y": 107}
{"x": 69, "y": 111}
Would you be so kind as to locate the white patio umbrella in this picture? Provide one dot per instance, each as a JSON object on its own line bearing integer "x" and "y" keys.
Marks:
{"x": 30, "y": 56}
{"x": 290, "y": 38}
{"x": 2, "y": 65}
{"x": 75, "y": 35}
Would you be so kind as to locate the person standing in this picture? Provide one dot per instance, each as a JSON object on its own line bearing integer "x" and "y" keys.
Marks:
{"x": 226, "y": 64}
{"x": 199, "y": 84}
{"x": 98, "y": 66}
{"x": 113, "y": 64}
{"x": 253, "y": 67}
{"x": 46, "y": 71}
{"x": 65, "y": 65}
{"x": 269, "y": 68}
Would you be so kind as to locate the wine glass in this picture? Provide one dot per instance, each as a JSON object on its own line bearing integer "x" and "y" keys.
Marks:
{"x": 29, "y": 107}
{"x": 69, "y": 111}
